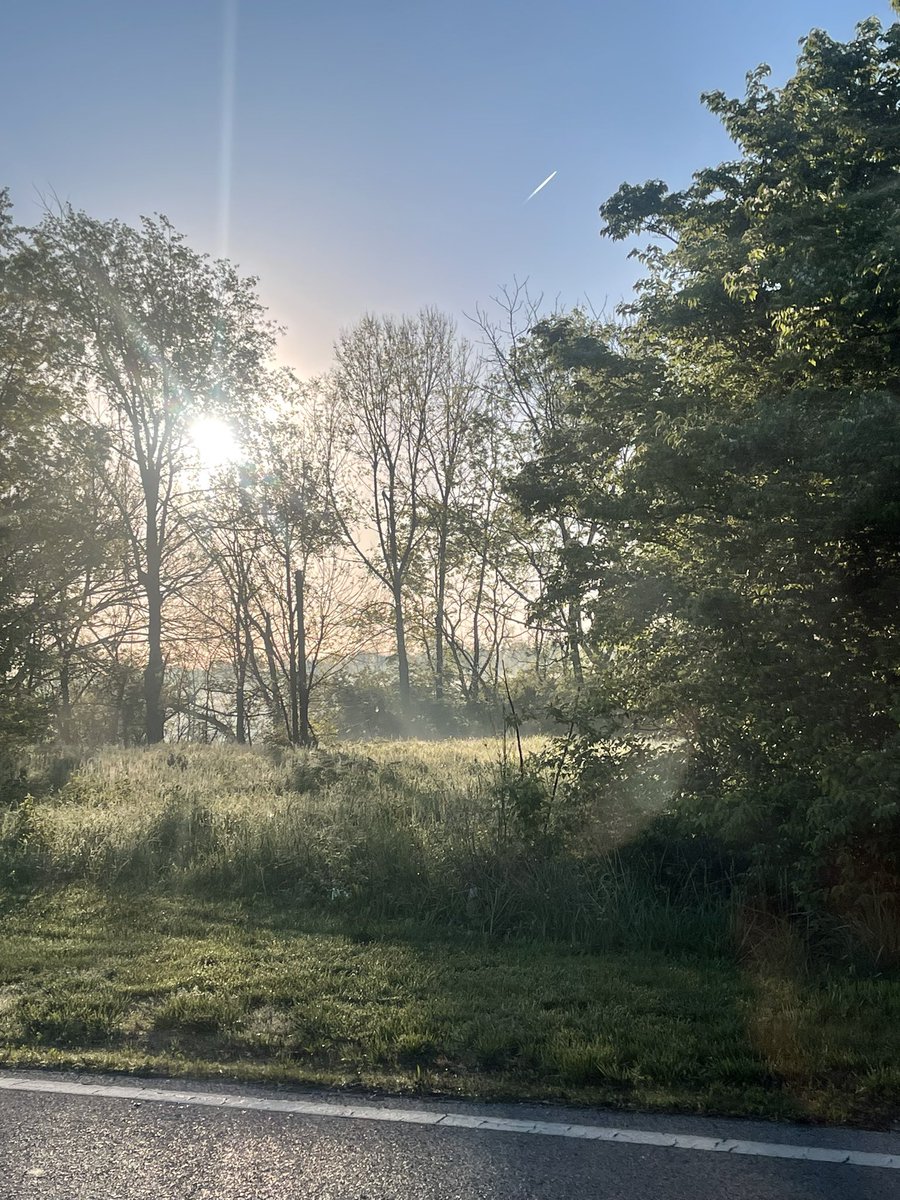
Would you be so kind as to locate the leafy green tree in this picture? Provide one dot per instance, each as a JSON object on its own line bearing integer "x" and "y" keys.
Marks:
{"x": 54, "y": 544}
{"x": 533, "y": 390}
{"x": 738, "y": 442}
{"x": 160, "y": 336}
{"x": 25, "y": 405}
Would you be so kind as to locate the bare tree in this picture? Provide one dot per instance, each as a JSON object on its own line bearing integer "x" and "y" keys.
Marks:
{"x": 228, "y": 531}
{"x": 300, "y": 531}
{"x": 488, "y": 583}
{"x": 456, "y": 427}
{"x": 389, "y": 375}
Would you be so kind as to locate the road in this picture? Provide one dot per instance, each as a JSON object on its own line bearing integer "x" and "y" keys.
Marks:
{"x": 162, "y": 1139}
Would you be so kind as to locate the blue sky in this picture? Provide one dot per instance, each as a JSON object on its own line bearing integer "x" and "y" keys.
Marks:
{"x": 375, "y": 156}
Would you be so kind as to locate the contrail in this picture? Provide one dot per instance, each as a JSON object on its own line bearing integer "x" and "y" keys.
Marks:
{"x": 539, "y": 186}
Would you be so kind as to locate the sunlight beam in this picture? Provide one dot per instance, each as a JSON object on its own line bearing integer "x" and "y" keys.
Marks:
{"x": 226, "y": 131}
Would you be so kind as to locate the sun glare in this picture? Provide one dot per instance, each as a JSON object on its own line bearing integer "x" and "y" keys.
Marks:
{"x": 215, "y": 444}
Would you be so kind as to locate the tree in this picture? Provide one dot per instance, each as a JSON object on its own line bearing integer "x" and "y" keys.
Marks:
{"x": 90, "y": 584}
{"x": 161, "y": 334}
{"x": 55, "y": 544}
{"x": 392, "y": 379}
{"x": 281, "y": 606}
{"x": 475, "y": 603}
{"x": 534, "y": 390}
{"x": 28, "y": 404}
{"x": 227, "y": 527}
{"x": 455, "y": 427}
{"x": 299, "y": 530}
{"x": 738, "y": 442}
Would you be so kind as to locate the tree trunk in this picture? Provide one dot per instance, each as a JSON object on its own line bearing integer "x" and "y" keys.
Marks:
{"x": 154, "y": 709}
{"x": 276, "y": 696}
{"x": 572, "y": 615}
{"x": 402, "y": 657}
{"x": 439, "y": 613}
{"x": 240, "y": 708}
{"x": 475, "y": 676}
{"x": 573, "y": 620}
{"x": 240, "y": 675}
{"x": 304, "y": 737}
{"x": 64, "y": 717}
{"x": 245, "y": 660}
{"x": 292, "y": 660}
{"x": 439, "y": 648}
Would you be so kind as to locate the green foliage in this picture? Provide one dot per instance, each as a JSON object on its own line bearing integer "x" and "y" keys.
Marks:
{"x": 737, "y": 443}
{"x": 523, "y": 800}
{"x": 49, "y": 533}
{"x": 23, "y": 407}
{"x": 361, "y": 703}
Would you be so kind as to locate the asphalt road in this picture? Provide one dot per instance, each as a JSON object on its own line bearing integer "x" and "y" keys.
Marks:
{"x": 62, "y": 1147}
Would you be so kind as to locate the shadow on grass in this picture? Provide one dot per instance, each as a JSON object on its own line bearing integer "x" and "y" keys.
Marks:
{"x": 261, "y": 991}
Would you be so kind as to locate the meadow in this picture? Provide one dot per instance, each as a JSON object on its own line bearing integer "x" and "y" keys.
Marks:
{"x": 413, "y": 917}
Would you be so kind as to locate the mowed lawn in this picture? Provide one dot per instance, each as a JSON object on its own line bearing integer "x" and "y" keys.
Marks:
{"x": 156, "y": 984}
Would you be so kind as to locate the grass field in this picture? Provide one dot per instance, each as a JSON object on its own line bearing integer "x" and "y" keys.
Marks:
{"x": 378, "y": 920}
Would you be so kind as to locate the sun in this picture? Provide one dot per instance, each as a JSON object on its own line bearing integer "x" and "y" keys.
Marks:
{"x": 215, "y": 444}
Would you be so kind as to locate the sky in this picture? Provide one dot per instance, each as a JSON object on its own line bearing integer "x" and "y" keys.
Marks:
{"x": 376, "y": 155}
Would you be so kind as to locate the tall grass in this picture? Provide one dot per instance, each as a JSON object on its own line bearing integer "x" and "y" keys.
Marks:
{"x": 415, "y": 915}
{"x": 418, "y": 830}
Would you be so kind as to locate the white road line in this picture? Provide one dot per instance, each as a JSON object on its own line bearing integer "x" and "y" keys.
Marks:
{"x": 413, "y": 1116}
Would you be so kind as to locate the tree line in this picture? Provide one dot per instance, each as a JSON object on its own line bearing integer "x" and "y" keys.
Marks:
{"x": 734, "y": 439}
{"x": 196, "y": 541}
{"x": 685, "y": 517}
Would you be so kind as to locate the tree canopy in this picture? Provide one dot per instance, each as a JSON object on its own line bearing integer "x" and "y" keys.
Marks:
{"x": 737, "y": 438}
